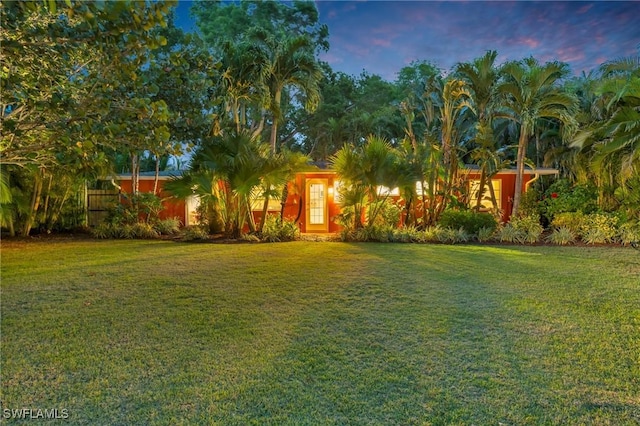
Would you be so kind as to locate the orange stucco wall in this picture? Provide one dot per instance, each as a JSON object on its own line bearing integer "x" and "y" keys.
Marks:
{"x": 172, "y": 207}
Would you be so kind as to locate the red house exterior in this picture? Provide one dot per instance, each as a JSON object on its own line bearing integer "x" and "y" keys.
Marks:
{"x": 313, "y": 200}
{"x": 313, "y": 197}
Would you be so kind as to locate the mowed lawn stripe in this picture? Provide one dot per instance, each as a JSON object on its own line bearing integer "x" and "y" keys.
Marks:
{"x": 124, "y": 332}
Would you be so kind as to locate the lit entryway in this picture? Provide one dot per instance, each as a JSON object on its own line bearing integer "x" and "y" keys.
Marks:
{"x": 317, "y": 205}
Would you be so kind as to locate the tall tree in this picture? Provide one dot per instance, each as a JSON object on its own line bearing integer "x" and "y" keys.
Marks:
{"x": 483, "y": 78}
{"x": 531, "y": 93}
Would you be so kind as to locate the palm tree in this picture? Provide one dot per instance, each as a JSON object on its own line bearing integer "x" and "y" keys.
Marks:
{"x": 286, "y": 62}
{"x": 226, "y": 171}
{"x": 531, "y": 93}
{"x": 483, "y": 79}
{"x": 364, "y": 170}
{"x": 612, "y": 137}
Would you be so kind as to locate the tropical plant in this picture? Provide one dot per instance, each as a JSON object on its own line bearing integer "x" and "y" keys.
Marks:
{"x": 598, "y": 228}
{"x": 531, "y": 93}
{"x": 561, "y": 236}
{"x": 470, "y": 221}
{"x": 277, "y": 229}
{"x": 369, "y": 173}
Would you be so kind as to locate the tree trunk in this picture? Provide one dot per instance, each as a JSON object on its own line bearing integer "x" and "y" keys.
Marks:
{"x": 274, "y": 127}
{"x": 265, "y": 209}
{"x": 522, "y": 148}
{"x": 156, "y": 176}
{"x": 35, "y": 204}
{"x": 483, "y": 178}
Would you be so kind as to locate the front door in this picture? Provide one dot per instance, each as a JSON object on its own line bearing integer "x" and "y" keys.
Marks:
{"x": 317, "y": 212}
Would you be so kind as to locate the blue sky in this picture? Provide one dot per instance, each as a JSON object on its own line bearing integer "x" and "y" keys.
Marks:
{"x": 383, "y": 36}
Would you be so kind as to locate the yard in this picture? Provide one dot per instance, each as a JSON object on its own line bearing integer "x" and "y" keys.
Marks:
{"x": 158, "y": 332}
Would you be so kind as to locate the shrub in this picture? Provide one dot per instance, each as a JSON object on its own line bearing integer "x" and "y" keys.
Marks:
{"x": 570, "y": 220}
{"x": 561, "y": 197}
{"x": 599, "y": 228}
{"x": 408, "y": 234}
{"x": 388, "y": 213}
{"x": 168, "y": 226}
{"x": 450, "y": 235}
{"x": 521, "y": 230}
{"x": 194, "y": 233}
{"x": 142, "y": 230}
{"x": 103, "y": 231}
{"x": 530, "y": 203}
{"x": 486, "y": 234}
{"x": 277, "y": 230}
{"x": 508, "y": 234}
{"x": 629, "y": 232}
{"x": 561, "y": 236}
{"x": 468, "y": 220}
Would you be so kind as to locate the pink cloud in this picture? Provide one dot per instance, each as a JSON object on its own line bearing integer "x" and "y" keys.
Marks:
{"x": 331, "y": 58}
{"x": 531, "y": 42}
{"x": 380, "y": 42}
{"x": 570, "y": 54}
{"x": 585, "y": 8}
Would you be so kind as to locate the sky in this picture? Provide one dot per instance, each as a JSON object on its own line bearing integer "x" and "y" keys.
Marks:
{"x": 381, "y": 37}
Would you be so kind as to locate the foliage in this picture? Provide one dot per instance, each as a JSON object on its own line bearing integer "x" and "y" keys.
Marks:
{"x": 278, "y": 230}
{"x": 598, "y": 228}
{"x": 468, "y": 220}
{"x": 62, "y": 65}
{"x": 194, "y": 233}
{"x": 138, "y": 230}
{"x": 486, "y": 234}
{"x": 561, "y": 236}
{"x": 521, "y": 230}
{"x": 169, "y": 226}
{"x": 530, "y": 203}
{"x": 531, "y": 93}
{"x": 570, "y": 220}
{"x": 364, "y": 170}
{"x": 629, "y": 232}
{"x": 563, "y": 197}
{"x": 131, "y": 209}
{"x": 229, "y": 171}
{"x": 387, "y": 213}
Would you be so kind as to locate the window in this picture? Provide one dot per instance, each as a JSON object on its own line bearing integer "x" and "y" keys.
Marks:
{"x": 383, "y": 190}
{"x": 474, "y": 186}
{"x": 419, "y": 190}
{"x": 257, "y": 202}
{"x": 338, "y": 189}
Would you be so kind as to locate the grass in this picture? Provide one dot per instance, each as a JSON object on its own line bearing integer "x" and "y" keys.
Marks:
{"x": 157, "y": 332}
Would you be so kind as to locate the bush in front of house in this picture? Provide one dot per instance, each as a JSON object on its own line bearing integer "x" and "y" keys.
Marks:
{"x": 194, "y": 233}
{"x": 276, "y": 229}
{"x": 521, "y": 230}
{"x": 169, "y": 226}
{"x": 468, "y": 220}
{"x": 599, "y": 228}
{"x": 561, "y": 236}
{"x": 629, "y": 232}
{"x": 562, "y": 197}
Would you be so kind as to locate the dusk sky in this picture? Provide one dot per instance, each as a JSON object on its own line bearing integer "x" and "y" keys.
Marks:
{"x": 383, "y": 36}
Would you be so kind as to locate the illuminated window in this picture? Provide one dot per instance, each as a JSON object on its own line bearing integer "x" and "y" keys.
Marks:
{"x": 338, "y": 189}
{"x": 474, "y": 186}
{"x": 257, "y": 202}
{"x": 419, "y": 190}
{"x": 316, "y": 204}
{"x": 383, "y": 190}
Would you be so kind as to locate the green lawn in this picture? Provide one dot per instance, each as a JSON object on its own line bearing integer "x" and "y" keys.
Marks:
{"x": 157, "y": 332}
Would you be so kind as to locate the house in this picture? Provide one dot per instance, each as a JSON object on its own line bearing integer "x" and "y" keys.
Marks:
{"x": 111, "y": 190}
{"x": 313, "y": 199}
